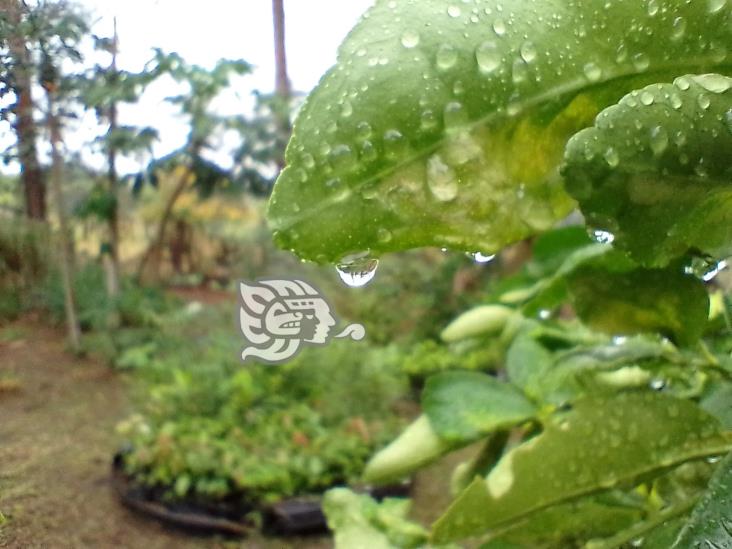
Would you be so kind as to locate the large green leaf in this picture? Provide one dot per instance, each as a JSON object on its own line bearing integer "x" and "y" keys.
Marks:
{"x": 656, "y": 169}
{"x": 599, "y": 444}
{"x": 710, "y": 524}
{"x": 643, "y": 300}
{"x": 443, "y": 122}
{"x": 463, "y": 406}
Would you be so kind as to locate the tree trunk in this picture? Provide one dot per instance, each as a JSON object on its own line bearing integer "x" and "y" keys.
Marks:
{"x": 156, "y": 246}
{"x": 65, "y": 252}
{"x": 282, "y": 82}
{"x": 21, "y": 79}
{"x": 112, "y": 265}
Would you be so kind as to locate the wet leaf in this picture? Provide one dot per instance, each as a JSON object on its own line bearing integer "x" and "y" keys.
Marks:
{"x": 710, "y": 524}
{"x": 656, "y": 169}
{"x": 665, "y": 301}
{"x": 600, "y": 444}
{"x": 464, "y": 406}
{"x": 444, "y": 123}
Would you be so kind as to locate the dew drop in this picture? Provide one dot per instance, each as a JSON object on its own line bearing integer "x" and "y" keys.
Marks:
{"x": 528, "y": 52}
{"x": 368, "y": 151}
{"x": 488, "y": 57}
{"x": 308, "y": 161}
{"x": 342, "y": 157}
{"x": 453, "y": 11}
{"x": 441, "y": 179}
{"x": 446, "y": 57}
{"x": 659, "y": 140}
{"x": 428, "y": 120}
{"x": 715, "y": 83}
{"x": 394, "y": 143}
{"x": 679, "y": 28}
{"x": 410, "y": 39}
{"x": 593, "y": 72}
{"x": 641, "y": 62}
{"x": 703, "y": 101}
{"x": 716, "y": 6}
{"x": 682, "y": 83}
{"x": 675, "y": 101}
{"x": 652, "y": 7}
{"x": 455, "y": 114}
{"x": 363, "y": 130}
{"x": 520, "y": 71}
{"x": 646, "y": 98}
{"x": 499, "y": 27}
{"x": 611, "y": 157}
{"x": 383, "y": 235}
{"x": 346, "y": 109}
{"x": 357, "y": 270}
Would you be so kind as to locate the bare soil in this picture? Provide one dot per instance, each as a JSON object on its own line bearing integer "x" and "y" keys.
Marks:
{"x": 57, "y": 419}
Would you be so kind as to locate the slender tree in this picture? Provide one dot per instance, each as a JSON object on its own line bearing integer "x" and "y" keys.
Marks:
{"x": 203, "y": 86}
{"x": 17, "y": 79}
{"x": 65, "y": 249}
{"x": 283, "y": 90}
{"x": 113, "y": 269}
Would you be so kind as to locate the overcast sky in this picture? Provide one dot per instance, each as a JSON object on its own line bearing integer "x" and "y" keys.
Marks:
{"x": 203, "y": 32}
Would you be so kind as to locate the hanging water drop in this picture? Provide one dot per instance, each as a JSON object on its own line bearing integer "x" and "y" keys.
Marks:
{"x": 479, "y": 257}
{"x": 357, "y": 270}
{"x": 603, "y": 237}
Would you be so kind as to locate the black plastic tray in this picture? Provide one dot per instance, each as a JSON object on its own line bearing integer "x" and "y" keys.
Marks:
{"x": 296, "y": 516}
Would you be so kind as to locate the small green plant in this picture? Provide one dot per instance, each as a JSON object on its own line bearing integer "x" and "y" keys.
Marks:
{"x": 473, "y": 125}
{"x": 210, "y": 429}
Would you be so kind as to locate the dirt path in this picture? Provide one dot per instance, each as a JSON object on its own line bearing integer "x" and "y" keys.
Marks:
{"x": 57, "y": 418}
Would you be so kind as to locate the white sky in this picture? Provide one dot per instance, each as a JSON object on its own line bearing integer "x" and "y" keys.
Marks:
{"x": 202, "y": 33}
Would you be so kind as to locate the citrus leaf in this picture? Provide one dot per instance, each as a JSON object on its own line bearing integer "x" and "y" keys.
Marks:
{"x": 643, "y": 300}
{"x": 443, "y": 123}
{"x": 710, "y": 524}
{"x": 599, "y": 444}
{"x": 464, "y": 406}
{"x": 656, "y": 169}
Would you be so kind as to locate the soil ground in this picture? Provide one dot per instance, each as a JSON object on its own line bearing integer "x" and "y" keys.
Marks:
{"x": 57, "y": 419}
